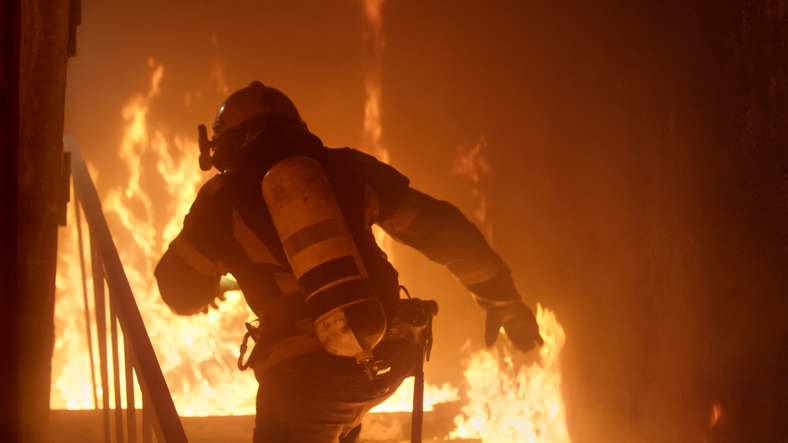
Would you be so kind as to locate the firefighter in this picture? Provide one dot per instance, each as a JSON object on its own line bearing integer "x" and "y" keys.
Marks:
{"x": 308, "y": 391}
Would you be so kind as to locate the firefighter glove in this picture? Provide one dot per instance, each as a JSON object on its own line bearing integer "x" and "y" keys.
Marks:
{"x": 225, "y": 284}
{"x": 519, "y": 324}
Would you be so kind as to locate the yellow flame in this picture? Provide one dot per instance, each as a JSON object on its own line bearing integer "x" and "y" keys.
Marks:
{"x": 71, "y": 345}
{"x": 374, "y": 44}
{"x": 402, "y": 400}
{"x": 516, "y": 404}
{"x": 197, "y": 354}
{"x": 72, "y": 388}
{"x": 509, "y": 402}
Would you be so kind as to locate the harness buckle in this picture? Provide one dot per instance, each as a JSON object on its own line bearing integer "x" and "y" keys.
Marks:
{"x": 254, "y": 333}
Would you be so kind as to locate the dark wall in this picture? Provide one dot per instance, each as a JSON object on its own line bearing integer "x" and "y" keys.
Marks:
{"x": 33, "y": 98}
{"x": 751, "y": 165}
{"x": 640, "y": 154}
{"x": 9, "y": 134}
{"x": 668, "y": 225}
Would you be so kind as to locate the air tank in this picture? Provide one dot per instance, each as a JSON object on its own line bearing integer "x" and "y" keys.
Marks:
{"x": 349, "y": 320}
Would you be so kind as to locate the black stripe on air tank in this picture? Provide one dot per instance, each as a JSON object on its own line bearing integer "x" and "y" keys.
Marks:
{"x": 327, "y": 272}
{"x": 341, "y": 294}
{"x": 312, "y": 234}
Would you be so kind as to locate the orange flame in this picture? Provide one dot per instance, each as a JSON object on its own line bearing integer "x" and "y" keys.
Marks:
{"x": 372, "y": 67}
{"x": 716, "y": 414}
{"x": 374, "y": 44}
{"x": 509, "y": 402}
{"x": 71, "y": 345}
{"x": 471, "y": 165}
{"x": 516, "y": 404}
{"x": 217, "y": 73}
{"x": 197, "y": 354}
{"x": 402, "y": 400}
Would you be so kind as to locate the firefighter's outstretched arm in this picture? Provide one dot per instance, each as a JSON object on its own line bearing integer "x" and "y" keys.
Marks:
{"x": 441, "y": 232}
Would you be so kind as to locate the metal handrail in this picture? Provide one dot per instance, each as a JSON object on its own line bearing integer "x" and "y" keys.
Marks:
{"x": 164, "y": 420}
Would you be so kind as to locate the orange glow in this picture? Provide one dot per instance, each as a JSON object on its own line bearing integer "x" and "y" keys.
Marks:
{"x": 510, "y": 403}
{"x": 716, "y": 414}
{"x": 472, "y": 166}
{"x": 73, "y": 385}
{"x": 402, "y": 400}
{"x": 371, "y": 64}
{"x": 374, "y": 43}
{"x": 217, "y": 73}
{"x": 197, "y": 354}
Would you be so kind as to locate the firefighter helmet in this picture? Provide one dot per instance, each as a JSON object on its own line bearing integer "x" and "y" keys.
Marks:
{"x": 251, "y": 101}
{"x": 238, "y": 118}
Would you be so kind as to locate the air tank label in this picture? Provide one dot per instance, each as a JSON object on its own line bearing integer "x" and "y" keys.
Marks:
{"x": 339, "y": 295}
{"x": 312, "y": 234}
{"x": 328, "y": 272}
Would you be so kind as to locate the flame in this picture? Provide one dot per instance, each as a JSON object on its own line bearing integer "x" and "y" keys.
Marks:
{"x": 402, "y": 400}
{"x": 716, "y": 414}
{"x": 511, "y": 403}
{"x": 374, "y": 44}
{"x": 197, "y": 354}
{"x": 471, "y": 165}
{"x": 372, "y": 67}
{"x": 371, "y": 63}
{"x": 75, "y": 382}
{"x": 217, "y": 71}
